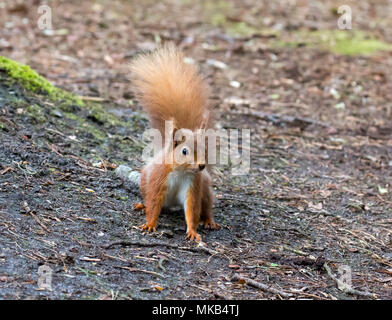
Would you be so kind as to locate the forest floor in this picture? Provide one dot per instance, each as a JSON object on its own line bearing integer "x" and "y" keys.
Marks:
{"x": 317, "y": 198}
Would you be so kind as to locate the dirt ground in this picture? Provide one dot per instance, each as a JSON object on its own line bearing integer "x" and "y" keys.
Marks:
{"x": 318, "y": 195}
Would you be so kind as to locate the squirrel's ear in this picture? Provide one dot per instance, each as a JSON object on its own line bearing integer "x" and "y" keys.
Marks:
{"x": 176, "y": 142}
{"x": 174, "y": 135}
{"x": 175, "y": 129}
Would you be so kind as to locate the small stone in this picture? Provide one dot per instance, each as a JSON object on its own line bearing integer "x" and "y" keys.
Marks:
{"x": 235, "y": 84}
{"x": 340, "y": 106}
{"x": 217, "y": 64}
{"x": 126, "y": 173}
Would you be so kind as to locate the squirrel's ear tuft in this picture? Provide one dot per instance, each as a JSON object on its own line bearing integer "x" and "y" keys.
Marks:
{"x": 175, "y": 128}
{"x": 173, "y": 136}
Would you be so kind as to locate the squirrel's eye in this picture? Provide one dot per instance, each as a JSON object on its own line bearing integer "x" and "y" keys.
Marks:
{"x": 184, "y": 151}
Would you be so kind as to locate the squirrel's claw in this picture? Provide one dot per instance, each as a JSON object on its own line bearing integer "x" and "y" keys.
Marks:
{"x": 193, "y": 236}
{"x": 211, "y": 225}
{"x": 149, "y": 228}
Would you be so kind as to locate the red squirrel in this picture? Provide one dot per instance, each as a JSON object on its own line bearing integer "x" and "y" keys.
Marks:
{"x": 171, "y": 90}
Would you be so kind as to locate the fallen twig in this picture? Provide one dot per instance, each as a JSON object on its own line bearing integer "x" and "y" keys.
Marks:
{"x": 140, "y": 270}
{"x": 261, "y": 286}
{"x": 160, "y": 263}
{"x": 39, "y": 222}
{"x": 345, "y": 287}
{"x": 5, "y": 170}
{"x": 115, "y": 258}
{"x": 95, "y": 99}
{"x": 299, "y": 252}
{"x": 199, "y": 248}
{"x": 88, "y": 259}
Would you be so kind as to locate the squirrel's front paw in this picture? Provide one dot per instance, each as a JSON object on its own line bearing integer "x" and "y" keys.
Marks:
{"x": 139, "y": 206}
{"x": 149, "y": 227}
{"x": 211, "y": 225}
{"x": 193, "y": 236}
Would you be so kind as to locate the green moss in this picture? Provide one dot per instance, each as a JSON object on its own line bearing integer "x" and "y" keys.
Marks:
{"x": 99, "y": 115}
{"x": 241, "y": 29}
{"x": 345, "y": 42}
{"x": 215, "y": 12}
{"x": 120, "y": 197}
{"x": 358, "y": 44}
{"x": 66, "y": 102}
{"x": 66, "y": 106}
{"x": 36, "y": 113}
{"x": 72, "y": 116}
{"x": 286, "y": 44}
{"x": 89, "y": 121}
{"x": 32, "y": 81}
{"x": 17, "y": 103}
{"x": 83, "y": 125}
{"x": 99, "y": 135}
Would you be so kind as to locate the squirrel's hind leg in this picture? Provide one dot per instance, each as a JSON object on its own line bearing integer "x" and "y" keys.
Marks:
{"x": 206, "y": 218}
{"x": 192, "y": 208}
{"x": 154, "y": 191}
{"x": 140, "y": 205}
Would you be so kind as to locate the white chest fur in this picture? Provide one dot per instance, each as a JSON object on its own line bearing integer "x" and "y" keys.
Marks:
{"x": 178, "y": 185}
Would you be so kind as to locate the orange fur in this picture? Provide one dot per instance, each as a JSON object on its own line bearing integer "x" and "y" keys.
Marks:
{"x": 170, "y": 89}
{"x": 206, "y": 217}
{"x": 193, "y": 208}
{"x": 153, "y": 192}
{"x": 139, "y": 206}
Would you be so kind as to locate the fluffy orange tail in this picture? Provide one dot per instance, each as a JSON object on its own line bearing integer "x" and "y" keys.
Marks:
{"x": 170, "y": 89}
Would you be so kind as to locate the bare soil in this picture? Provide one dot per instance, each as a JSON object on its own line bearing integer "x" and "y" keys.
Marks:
{"x": 318, "y": 194}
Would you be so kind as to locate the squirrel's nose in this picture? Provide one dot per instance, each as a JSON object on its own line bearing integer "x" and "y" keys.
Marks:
{"x": 201, "y": 166}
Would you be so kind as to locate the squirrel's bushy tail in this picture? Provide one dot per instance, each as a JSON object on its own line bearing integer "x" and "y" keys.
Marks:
{"x": 170, "y": 89}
